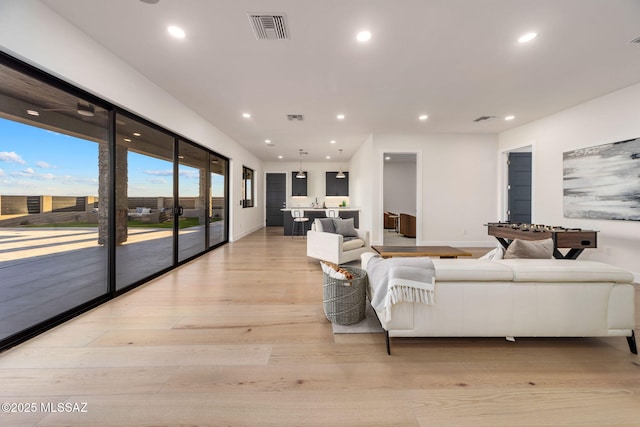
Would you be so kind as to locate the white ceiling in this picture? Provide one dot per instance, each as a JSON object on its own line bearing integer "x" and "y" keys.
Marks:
{"x": 454, "y": 60}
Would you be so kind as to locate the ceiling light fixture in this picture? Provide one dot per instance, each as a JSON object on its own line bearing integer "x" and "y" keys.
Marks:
{"x": 340, "y": 174}
{"x": 340, "y": 116}
{"x": 267, "y": 141}
{"x": 33, "y": 113}
{"x": 300, "y": 174}
{"x": 127, "y": 140}
{"x": 85, "y": 110}
{"x": 527, "y": 37}
{"x": 281, "y": 157}
{"x": 387, "y": 158}
{"x": 137, "y": 134}
{"x": 423, "y": 117}
{"x": 327, "y": 157}
{"x": 363, "y": 36}
{"x": 333, "y": 141}
{"x": 509, "y": 117}
{"x": 176, "y": 32}
{"x": 246, "y": 115}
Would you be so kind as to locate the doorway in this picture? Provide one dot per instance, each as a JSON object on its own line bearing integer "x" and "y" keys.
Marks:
{"x": 276, "y": 199}
{"x": 399, "y": 203}
{"x": 519, "y": 187}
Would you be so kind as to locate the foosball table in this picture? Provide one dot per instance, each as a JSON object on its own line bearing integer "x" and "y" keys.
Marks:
{"x": 574, "y": 239}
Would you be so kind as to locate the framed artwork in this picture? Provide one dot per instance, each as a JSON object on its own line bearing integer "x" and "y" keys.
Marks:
{"x": 603, "y": 182}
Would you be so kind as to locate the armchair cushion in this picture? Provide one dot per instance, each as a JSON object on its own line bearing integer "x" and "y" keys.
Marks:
{"x": 345, "y": 227}
{"x": 353, "y": 243}
{"x": 325, "y": 225}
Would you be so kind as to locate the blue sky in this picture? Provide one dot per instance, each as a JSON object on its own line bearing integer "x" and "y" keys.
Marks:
{"x": 35, "y": 161}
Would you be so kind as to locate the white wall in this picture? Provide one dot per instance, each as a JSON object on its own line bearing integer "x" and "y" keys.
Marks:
{"x": 610, "y": 118}
{"x": 316, "y": 181}
{"x": 400, "y": 187}
{"x": 33, "y": 33}
{"x": 455, "y": 187}
{"x": 361, "y": 184}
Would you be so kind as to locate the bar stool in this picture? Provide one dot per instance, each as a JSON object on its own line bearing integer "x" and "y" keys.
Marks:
{"x": 299, "y": 223}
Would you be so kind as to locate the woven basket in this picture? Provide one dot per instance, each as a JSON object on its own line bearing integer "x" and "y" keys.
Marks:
{"x": 344, "y": 300}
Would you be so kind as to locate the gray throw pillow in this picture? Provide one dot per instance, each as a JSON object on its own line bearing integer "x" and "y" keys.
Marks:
{"x": 345, "y": 227}
{"x": 535, "y": 249}
{"x": 327, "y": 225}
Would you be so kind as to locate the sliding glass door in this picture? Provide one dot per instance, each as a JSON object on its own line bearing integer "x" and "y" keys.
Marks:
{"x": 144, "y": 201}
{"x": 54, "y": 186}
{"x": 218, "y": 205}
{"x": 193, "y": 188}
{"x": 93, "y": 201}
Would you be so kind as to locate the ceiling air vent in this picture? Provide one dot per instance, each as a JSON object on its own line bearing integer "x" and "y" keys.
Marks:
{"x": 295, "y": 117}
{"x": 636, "y": 40}
{"x": 484, "y": 118}
{"x": 269, "y": 27}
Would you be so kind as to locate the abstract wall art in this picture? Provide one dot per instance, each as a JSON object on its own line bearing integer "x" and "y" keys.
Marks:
{"x": 603, "y": 182}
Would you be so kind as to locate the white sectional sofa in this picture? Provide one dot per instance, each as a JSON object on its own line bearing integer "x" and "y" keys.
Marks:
{"x": 518, "y": 298}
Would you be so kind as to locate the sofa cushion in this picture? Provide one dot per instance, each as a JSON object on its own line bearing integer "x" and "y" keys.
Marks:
{"x": 345, "y": 227}
{"x": 538, "y": 249}
{"x": 564, "y": 270}
{"x": 496, "y": 253}
{"x": 466, "y": 270}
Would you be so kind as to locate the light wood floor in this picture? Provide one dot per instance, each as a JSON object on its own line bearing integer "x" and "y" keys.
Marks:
{"x": 238, "y": 337}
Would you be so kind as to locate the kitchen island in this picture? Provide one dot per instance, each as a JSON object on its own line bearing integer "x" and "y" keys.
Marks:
{"x": 313, "y": 213}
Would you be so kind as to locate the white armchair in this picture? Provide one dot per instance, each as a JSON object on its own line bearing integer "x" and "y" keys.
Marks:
{"x": 331, "y": 247}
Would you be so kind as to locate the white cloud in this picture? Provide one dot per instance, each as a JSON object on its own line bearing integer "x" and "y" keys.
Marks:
{"x": 157, "y": 180}
{"x": 44, "y": 165}
{"x": 159, "y": 172}
{"x": 2, "y": 173}
{"x": 191, "y": 174}
{"x": 11, "y": 157}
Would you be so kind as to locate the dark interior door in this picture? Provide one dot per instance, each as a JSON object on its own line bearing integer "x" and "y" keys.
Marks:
{"x": 276, "y": 198}
{"x": 519, "y": 210}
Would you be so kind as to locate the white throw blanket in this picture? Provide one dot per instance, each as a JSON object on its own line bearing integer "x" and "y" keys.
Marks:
{"x": 400, "y": 280}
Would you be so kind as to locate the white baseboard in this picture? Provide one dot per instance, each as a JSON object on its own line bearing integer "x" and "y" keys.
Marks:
{"x": 235, "y": 238}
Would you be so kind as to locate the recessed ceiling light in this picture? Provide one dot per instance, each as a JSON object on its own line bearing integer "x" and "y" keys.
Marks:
{"x": 387, "y": 158}
{"x": 267, "y": 141}
{"x": 327, "y": 157}
{"x": 176, "y": 32}
{"x": 340, "y": 116}
{"x": 527, "y": 37}
{"x": 33, "y": 113}
{"x": 127, "y": 140}
{"x": 363, "y": 36}
{"x": 137, "y": 134}
{"x": 246, "y": 115}
{"x": 509, "y": 117}
{"x": 423, "y": 117}
{"x": 333, "y": 141}
{"x": 281, "y": 157}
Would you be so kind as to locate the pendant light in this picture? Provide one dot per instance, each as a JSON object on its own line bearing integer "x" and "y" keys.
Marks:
{"x": 341, "y": 174}
{"x": 300, "y": 174}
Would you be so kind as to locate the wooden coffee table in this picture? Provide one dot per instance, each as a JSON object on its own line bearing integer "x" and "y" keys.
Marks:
{"x": 430, "y": 251}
